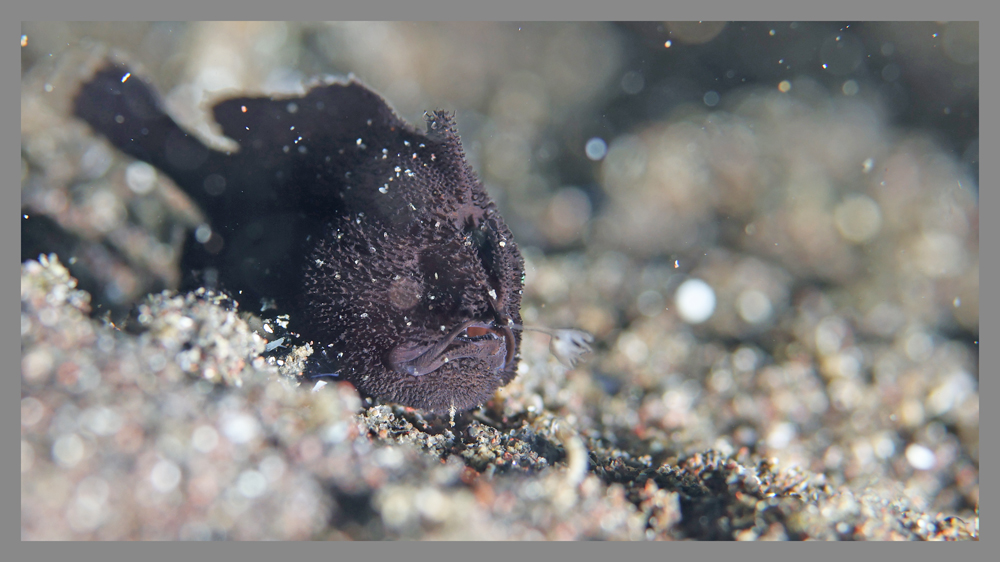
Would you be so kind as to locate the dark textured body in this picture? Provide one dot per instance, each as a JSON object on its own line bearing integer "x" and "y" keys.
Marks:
{"x": 377, "y": 239}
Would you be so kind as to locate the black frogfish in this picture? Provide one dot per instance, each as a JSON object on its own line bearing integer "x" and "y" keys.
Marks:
{"x": 376, "y": 238}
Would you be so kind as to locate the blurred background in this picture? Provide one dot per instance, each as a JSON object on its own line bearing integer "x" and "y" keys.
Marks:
{"x": 771, "y": 228}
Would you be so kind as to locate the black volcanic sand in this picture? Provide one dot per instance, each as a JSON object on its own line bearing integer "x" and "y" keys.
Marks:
{"x": 832, "y": 394}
